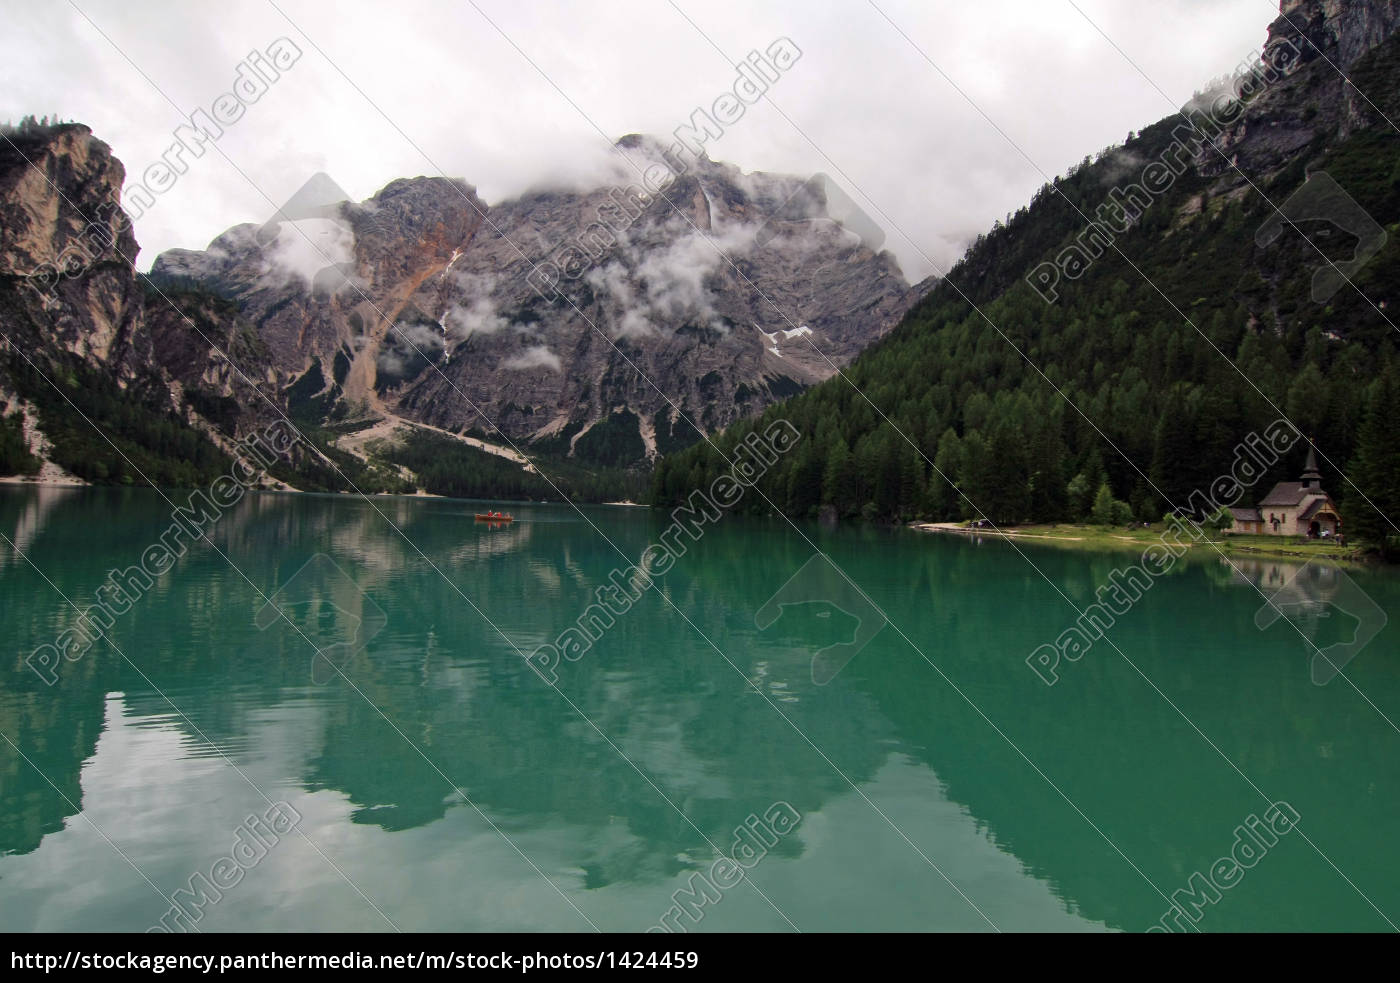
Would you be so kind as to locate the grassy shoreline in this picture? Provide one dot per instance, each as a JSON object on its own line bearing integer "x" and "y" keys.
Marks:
{"x": 1139, "y": 538}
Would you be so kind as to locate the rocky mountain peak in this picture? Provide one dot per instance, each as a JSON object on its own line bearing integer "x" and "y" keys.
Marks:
{"x": 1302, "y": 89}
{"x": 544, "y": 316}
{"x": 1338, "y": 31}
{"x": 60, "y": 189}
{"x": 66, "y": 240}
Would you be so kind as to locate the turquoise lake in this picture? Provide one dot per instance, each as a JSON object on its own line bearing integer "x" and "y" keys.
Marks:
{"x": 933, "y": 782}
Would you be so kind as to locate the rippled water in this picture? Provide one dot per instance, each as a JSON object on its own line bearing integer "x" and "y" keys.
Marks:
{"x": 440, "y": 784}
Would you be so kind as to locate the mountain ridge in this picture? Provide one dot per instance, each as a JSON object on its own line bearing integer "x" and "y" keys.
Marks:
{"x": 415, "y": 308}
{"x": 661, "y": 299}
{"x": 1187, "y": 317}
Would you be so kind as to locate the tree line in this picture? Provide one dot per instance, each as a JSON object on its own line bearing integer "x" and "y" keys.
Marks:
{"x": 1131, "y": 391}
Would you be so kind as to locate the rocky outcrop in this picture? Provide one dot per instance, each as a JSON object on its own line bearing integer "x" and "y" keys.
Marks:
{"x": 1337, "y": 31}
{"x": 323, "y": 293}
{"x": 686, "y": 313}
{"x": 66, "y": 247}
{"x": 717, "y": 296}
{"x": 1305, "y": 90}
{"x": 707, "y": 301}
{"x": 112, "y": 363}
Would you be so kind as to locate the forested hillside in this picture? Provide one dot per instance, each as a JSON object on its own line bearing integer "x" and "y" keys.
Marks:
{"x": 1143, "y": 375}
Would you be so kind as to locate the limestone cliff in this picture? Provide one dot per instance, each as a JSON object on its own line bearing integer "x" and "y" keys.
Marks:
{"x": 718, "y": 295}
{"x": 1314, "y": 48}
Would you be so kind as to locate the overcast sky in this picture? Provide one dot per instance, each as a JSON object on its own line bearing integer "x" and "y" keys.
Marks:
{"x": 466, "y": 83}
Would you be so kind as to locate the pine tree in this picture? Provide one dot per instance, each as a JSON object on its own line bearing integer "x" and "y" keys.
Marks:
{"x": 1008, "y": 490}
{"x": 1373, "y": 493}
{"x": 1046, "y": 458}
{"x": 1083, "y": 486}
{"x": 911, "y": 482}
{"x": 1103, "y": 513}
{"x": 1174, "y": 454}
{"x": 839, "y": 480}
{"x": 974, "y": 479}
{"x": 944, "y": 500}
{"x": 804, "y": 484}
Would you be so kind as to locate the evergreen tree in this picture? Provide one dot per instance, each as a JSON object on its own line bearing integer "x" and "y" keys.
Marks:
{"x": 945, "y": 502}
{"x": 1103, "y": 513}
{"x": 1006, "y": 494}
{"x": 1083, "y": 487}
{"x": 974, "y": 477}
{"x": 15, "y": 457}
{"x": 1046, "y": 458}
{"x": 1159, "y": 362}
{"x": 839, "y": 486}
{"x": 804, "y": 483}
{"x": 1174, "y": 452}
{"x": 1373, "y": 496}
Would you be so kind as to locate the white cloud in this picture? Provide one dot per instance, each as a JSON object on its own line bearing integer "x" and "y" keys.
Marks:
{"x": 883, "y": 121}
{"x": 406, "y": 343}
{"x": 651, "y": 287}
{"x": 310, "y": 250}
{"x": 676, "y": 277}
{"x": 634, "y": 324}
{"x": 613, "y": 279}
{"x": 476, "y": 317}
{"x": 535, "y": 357}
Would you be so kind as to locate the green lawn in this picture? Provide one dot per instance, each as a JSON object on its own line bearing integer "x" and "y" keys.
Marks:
{"x": 1138, "y": 538}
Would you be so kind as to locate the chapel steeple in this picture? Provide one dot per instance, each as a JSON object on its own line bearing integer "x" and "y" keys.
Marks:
{"x": 1312, "y": 478}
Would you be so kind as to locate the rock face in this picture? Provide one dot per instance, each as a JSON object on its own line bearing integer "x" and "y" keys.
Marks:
{"x": 721, "y": 294}
{"x": 593, "y": 318}
{"x": 66, "y": 248}
{"x": 72, "y": 304}
{"x": 1307, "y": 92}
{"x": 718, "y": 295}
{"x": 323, "y": 293}
{"x": 1339, "y": 31}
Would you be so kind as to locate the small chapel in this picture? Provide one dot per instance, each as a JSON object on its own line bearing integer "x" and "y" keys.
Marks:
{"x": 1292, "y": 508}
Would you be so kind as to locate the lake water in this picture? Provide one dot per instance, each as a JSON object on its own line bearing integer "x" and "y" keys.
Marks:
{"x": 426, "y": 778}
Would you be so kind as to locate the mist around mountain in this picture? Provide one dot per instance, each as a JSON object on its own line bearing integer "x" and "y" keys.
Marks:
{"x": 1102, "y": 354}
{"x": 1115, "y": 342}
{"x": 422, "y": 339}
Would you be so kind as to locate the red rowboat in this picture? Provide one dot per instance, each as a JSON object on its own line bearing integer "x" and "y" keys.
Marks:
{"x": 494, "y": 517}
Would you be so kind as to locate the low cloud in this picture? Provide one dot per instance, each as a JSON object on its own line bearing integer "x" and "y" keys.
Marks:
{"x": 478, "y": 316}
{"x": 535, "y": 357}
{"x": 589, "y": 166}
{"x": 653, "y": 289}
{"x": 406, "y": 343}
{"x": 318, "y": 252}
{"x": 1122, "y": 164}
